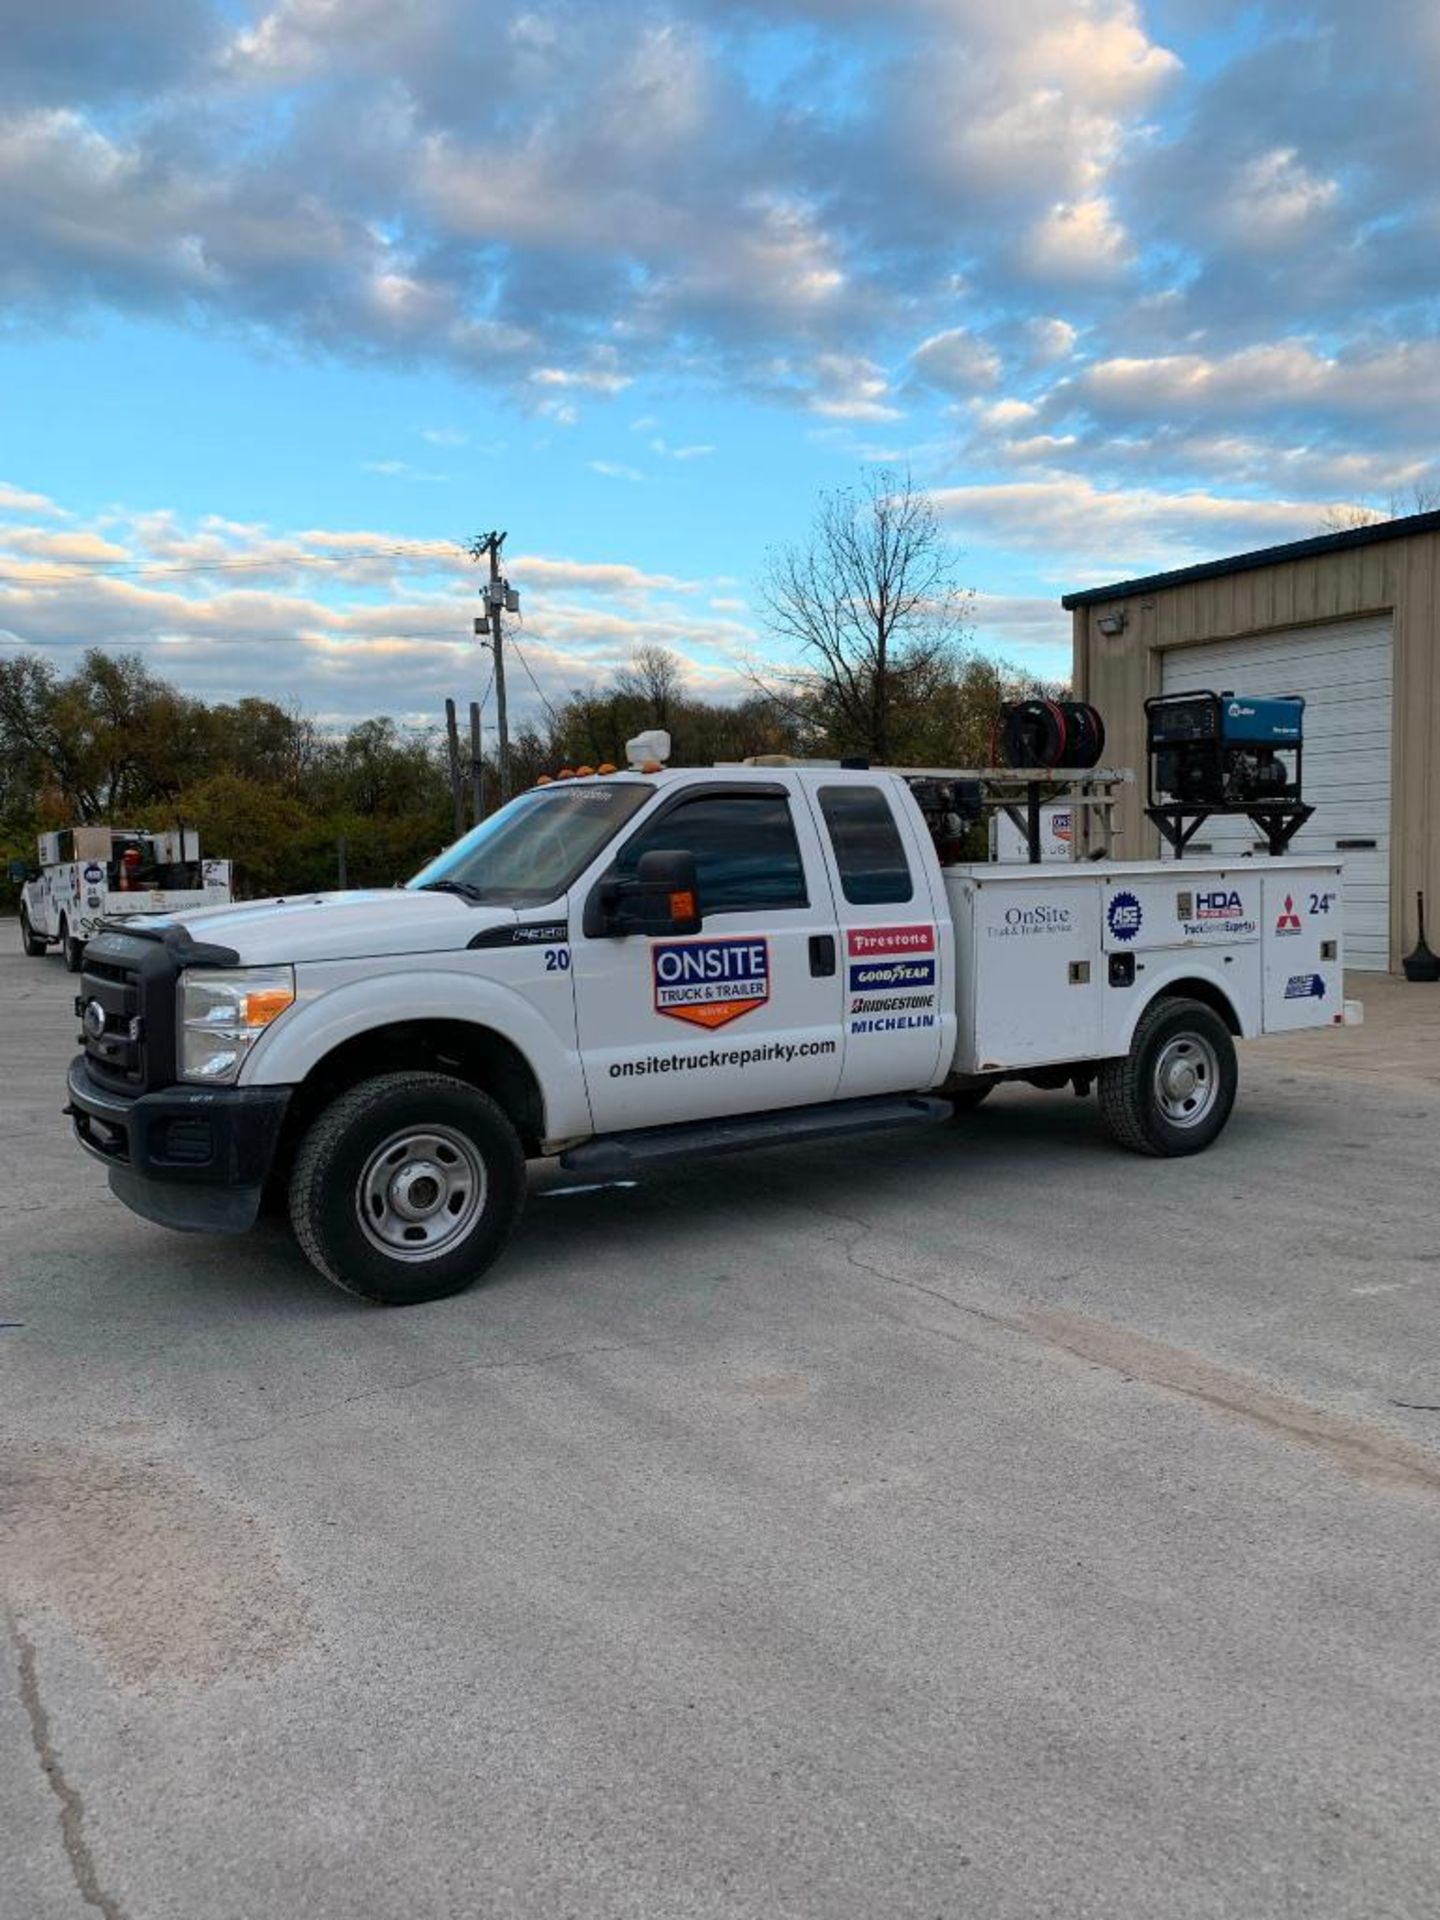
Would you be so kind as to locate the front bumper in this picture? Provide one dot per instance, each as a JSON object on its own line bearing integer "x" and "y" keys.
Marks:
{"x": 196, "y": 1158}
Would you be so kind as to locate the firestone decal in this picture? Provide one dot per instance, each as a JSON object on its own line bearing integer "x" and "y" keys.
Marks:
{"x": 1123, "y": 916}
{"x": 710, "y": 982}
{"x": 862, "y": 943}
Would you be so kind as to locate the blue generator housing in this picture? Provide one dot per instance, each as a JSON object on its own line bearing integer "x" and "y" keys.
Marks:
{"x": 1278, "y": 721}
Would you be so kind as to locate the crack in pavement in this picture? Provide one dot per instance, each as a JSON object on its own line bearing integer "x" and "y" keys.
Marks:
{"x": 1364, "y": 1451}
{"x": 72, "y": 1811}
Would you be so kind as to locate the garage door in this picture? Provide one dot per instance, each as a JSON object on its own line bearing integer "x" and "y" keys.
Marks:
{"x": 1344, "y": 673}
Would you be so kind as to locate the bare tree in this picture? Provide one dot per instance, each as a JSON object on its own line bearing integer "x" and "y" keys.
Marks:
{"x": 655, "y": 678}
{"x": 1421, "y": 497}
{"x": 870, "y": 606}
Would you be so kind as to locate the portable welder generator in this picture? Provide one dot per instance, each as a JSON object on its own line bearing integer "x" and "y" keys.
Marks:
{"x": 1226, "y": 753}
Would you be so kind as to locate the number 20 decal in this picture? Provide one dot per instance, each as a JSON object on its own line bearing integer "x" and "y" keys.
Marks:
{"x": 557, "y": 960}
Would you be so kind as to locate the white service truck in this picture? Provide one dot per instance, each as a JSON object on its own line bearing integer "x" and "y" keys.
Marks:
{"x": 617, "y": 968}
{"x": 89, "y": 874}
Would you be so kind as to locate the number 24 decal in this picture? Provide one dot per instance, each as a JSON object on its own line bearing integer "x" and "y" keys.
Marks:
{"x": 1321, "y": 902}
{"x": 557, "y": 960}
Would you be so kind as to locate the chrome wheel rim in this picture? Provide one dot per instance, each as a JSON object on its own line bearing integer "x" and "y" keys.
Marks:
{"x": 1187, "y": 1080}
{"x": 421, "y": 1192}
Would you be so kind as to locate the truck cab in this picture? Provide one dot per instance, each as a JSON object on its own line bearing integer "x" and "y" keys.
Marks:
{"x": 614, "y": 969}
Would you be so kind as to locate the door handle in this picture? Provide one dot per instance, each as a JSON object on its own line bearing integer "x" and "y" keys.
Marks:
{"x": 822, "y": 955}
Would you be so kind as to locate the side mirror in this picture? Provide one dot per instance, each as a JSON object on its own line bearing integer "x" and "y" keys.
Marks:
{"x": 663, "y": 896}
{"x": 19, "y": 872}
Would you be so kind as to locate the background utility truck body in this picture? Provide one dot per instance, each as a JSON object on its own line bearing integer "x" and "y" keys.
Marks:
{"x": 613, "y": 969}
{"x": 89, "y": 874}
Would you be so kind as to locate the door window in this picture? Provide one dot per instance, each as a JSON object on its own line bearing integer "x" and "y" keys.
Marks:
{"x": 868, "y": 849}
{"x": 746, "y": 855}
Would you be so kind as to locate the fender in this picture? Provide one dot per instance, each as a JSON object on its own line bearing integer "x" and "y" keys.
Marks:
{"x": 1178, "y": 969}
{"x": 324, "y": 1018}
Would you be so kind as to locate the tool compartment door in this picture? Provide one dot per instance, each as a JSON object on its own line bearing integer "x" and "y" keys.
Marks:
{"x": 1303, "y": 973}
{"x": 1034, "y": 947}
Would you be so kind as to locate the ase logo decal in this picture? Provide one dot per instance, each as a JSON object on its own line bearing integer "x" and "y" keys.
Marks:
{"x": 94, "y": 874}
{"x": 863, "y": 942}
{"x": 710, "y": 982}
{"x": 1123, "y": 915}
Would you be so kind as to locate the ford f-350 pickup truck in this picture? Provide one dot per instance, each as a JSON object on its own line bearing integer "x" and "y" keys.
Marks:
{"x": 616, "y": 969}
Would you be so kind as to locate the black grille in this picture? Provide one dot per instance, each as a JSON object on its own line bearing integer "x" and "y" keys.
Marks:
{"x": 133, "y": 978}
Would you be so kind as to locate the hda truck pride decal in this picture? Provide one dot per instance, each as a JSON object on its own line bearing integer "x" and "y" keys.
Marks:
{"x": 710, "y": 982}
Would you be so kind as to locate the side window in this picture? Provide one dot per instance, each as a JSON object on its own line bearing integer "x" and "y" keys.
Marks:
{"x": 746, "y": 853}
{"x": 868, "y": 849}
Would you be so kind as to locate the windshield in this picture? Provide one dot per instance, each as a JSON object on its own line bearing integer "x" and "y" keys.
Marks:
{"x": 533, "y": 849}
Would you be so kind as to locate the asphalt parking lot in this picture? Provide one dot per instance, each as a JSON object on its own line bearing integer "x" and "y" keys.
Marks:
{"x": 976, "y": 1522}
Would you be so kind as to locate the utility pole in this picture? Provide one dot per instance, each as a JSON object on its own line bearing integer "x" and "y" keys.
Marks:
{"x": 452, "y": 751}
{"x": 477, "y": 766}
{"x": 500, "y": 597}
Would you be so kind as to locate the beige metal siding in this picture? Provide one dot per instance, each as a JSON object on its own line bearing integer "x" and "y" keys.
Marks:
{"x": 1400, "y": 577}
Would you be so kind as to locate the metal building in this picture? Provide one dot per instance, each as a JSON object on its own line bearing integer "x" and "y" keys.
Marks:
{"x": 1352, "y": 621}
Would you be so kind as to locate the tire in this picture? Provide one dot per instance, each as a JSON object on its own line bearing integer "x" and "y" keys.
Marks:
{"x": 968, "y": 1099}
{"x": 1172, "y": 1093}
{"x": 29, "y": 939}
{"x": 72, "y": 951}
{"x": 362, "y": 1190}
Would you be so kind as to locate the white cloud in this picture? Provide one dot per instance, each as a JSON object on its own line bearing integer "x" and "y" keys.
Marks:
{"x": 1075, "y": 522}
{"x": 956, "y": 361}
{"x": 615, "y": 470}
{"x": 1078, "y": 240}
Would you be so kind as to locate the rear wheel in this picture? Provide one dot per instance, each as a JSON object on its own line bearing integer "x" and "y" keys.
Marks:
{"x": 29, "y": 939}
{"x": 1172, "y": 1093}
{"x": 73, "y": 951}
{"x": 407, "y": 1187}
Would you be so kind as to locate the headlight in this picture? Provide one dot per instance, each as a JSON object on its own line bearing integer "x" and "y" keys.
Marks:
{"x": 222, "y": 1015}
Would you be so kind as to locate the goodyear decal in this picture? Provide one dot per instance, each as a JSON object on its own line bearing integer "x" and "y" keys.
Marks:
{"x": 710, "y": 982}
{"x": 864, "y": 943}
{"x": 875, "y": 976}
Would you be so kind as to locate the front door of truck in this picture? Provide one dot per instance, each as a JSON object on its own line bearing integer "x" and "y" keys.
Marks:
{"x": 742, "y": 1017}
{"x": 896, "y": 951}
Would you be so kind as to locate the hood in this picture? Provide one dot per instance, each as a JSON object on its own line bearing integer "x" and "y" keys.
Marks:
{"x": 336, "y": 926}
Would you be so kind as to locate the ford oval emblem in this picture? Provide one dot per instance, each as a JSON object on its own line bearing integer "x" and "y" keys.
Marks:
{"x": 93, "y": 1019}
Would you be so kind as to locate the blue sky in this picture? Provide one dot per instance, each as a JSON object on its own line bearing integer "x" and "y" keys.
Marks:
{"x": 295, "y": 296}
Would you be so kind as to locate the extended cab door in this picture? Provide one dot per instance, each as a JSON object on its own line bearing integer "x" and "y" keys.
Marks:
{"x": 744, "y": 1016}
{"x": 897, "y": 948}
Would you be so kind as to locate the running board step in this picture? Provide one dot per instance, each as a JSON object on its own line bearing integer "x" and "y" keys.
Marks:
{"x": 624, "y": 1152}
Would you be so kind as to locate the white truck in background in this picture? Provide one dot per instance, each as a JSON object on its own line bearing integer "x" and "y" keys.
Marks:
{"x": 89, "y": 874}
{"x": 627, "y": 966}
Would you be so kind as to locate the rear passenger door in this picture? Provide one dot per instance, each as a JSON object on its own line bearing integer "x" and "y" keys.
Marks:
{"x": 896, "y": 952}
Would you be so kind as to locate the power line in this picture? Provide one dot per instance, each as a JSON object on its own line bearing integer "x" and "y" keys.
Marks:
{"x": 250, "y": 640}
{"x": 554, "y": 717}
{"x": 80, "y": 571}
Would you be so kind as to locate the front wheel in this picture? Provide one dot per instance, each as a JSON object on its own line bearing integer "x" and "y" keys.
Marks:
{"x": 29, "y": 939}
{"x": 1172, "y": 1093}
{"x": 407, "y": 1187}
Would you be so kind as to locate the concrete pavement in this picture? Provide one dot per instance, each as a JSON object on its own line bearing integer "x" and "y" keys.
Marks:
{"x": 980, "y": 1522}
